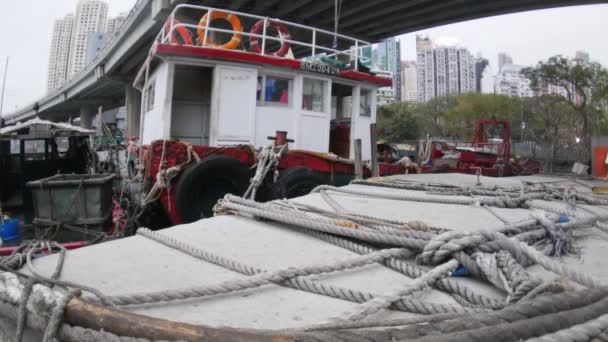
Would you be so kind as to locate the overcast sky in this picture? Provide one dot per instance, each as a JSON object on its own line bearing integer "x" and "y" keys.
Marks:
{"x": 26, "y": 29}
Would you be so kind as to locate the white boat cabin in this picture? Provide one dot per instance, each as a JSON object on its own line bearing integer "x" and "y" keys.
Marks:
{"x": 210, "y": 95}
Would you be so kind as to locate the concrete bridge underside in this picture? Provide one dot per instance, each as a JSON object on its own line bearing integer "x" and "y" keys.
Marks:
{"x": 106, "y": 81}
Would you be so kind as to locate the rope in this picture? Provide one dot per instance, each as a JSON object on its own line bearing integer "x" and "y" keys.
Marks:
{"x": 501, "y": 202}
{"x": 22, "y": 313}
{"x": 577, "y": 333}
{"x": 50, "y": 333}
{"x": 519, "y": 280}
{"x": 414, "y": 271}
{"x": 300, "y": 282}
{"x": 385, "y": 300}
{"x": 268, "y": 158}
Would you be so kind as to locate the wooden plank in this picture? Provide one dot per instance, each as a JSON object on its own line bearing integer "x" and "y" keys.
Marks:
{"x": 358, "y": 162}
{"x": 124, "y": 323}
{"x": 373, "y": 134}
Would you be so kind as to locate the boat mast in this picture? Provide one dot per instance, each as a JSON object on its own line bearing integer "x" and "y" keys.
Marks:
{"x": 3, "y": 86}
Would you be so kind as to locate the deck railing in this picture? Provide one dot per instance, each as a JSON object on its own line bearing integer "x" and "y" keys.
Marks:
{"x": 171, "y": 27}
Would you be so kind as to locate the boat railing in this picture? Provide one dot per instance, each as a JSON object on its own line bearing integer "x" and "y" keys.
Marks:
{"x": 317, "y": 49}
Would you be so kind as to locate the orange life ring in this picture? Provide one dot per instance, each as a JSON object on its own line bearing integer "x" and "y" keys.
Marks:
{"x": 182, "y": 31}
{"x": 233, "y": 19}
{"x": 283, "y": 34}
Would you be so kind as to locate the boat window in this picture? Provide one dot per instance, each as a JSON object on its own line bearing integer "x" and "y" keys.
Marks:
{"x": 273, "y": 91}
{"x": 62, "y": 144}
{"x": 365, "y": 102}
{"x": 35, "y": 149}
{"x": 15, "y": 146}
{"x": 313, "y": 95}
{"x": 149, "y": 105}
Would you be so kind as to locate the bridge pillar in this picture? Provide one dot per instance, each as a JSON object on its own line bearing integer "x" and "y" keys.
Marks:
{"x": 87, "y": 112}
{"x": 133, "y": 111}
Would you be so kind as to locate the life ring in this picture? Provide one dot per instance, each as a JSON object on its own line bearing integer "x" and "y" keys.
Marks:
{"x": 233, "y": 19}
{"x": 254, "y": 45}
{"x": 182, "y": 31}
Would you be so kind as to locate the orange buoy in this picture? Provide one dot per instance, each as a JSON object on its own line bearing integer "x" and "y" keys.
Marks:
{"x": 233, "y": 19}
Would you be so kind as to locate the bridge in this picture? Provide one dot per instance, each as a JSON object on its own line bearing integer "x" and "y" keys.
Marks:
{"x": 106, "y": 81}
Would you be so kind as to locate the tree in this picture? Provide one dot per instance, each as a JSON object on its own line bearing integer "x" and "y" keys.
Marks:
{"x": 462, "y": 118}
{"x": 431, "y": 115}
{"x": 550, "y": 124}
{"x": 581, "y": 80}
{"x": 397, "y": 122}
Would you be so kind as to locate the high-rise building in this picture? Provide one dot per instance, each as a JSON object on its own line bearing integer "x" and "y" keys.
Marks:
{"x": 582, "y": 56}
{"x": 409, "y": 81}
{"x": 60, "y": 50}
{"x": 443, "y": 71}
{"x": 511, "y": 82}
{"x": 503, "y": 59}
{"x": 487, "y": 80}
{"x": 481, "y": 64}
{"x": 90, "y": 17}
{"x": 387, "y": 57}
{"x": 113, "y": 24}
{"x": 95, "y": 42}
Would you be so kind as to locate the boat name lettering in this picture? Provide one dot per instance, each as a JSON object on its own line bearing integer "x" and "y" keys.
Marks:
{"x": 320, "y": 68}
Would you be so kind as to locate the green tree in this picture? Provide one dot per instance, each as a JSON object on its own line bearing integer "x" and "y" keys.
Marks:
{"x": 581, "y": 80}
{"x": 550, "y": 124}
{"x": 397, "y": 122}
{"x": 431, "y": 115}
{"x": 461, "y": 120}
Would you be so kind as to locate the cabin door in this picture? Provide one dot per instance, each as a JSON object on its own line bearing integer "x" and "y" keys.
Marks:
{"x": 342, "y": 96}
{"x": 364, "y": 114}
{"x": 191, "y": 103}
{"x": 234, "y": 105}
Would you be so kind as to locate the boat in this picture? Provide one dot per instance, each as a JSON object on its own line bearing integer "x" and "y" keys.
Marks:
{"x": 488, "y": 154}
{"x": 424, "y": 257}
{"x": 213, "y": 98}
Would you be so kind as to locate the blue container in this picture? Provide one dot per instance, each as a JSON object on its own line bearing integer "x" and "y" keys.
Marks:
{"x": 9, "y": 230}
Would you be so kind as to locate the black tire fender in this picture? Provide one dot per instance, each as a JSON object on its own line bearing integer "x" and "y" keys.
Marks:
{"x": 203, "y": 184}
{"x": 296, "y": 182}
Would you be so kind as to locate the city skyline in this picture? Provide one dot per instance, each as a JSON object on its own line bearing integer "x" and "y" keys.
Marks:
{"x": 77, "y": 38}
{"x": 528, "y": 37}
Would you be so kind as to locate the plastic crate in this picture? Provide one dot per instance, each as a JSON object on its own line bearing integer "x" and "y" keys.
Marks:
{"x": 73, "y": 199}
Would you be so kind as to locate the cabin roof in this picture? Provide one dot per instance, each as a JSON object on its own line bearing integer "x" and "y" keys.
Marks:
{"x": 246, "y": 57}
{"x": 39, "y": 125}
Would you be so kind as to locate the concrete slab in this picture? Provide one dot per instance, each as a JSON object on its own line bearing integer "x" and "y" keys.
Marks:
{"x": 137, "y": 264}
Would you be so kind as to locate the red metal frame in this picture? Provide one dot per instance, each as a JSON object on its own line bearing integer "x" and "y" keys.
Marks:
{"x": 485, "y": 155}
{"x": 4, "y": 251}
{"x": 176, "y": 153}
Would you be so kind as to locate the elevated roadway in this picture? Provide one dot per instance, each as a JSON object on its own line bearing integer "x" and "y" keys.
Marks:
{"x": 105, "y": 82}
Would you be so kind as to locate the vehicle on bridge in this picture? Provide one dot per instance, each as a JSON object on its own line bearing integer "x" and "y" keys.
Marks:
{"x": 212, "y": 96}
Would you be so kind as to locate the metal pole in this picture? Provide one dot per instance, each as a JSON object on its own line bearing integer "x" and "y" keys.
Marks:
{"x": 264, "y": 35}
{"x": 374, "y": 146}
{"x": 358, "y": 162}
{"x": 3, "y": 86}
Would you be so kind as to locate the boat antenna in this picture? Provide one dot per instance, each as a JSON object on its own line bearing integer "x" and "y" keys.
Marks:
{"x": 337, "y": 9}
{"x": 3, "y": 86}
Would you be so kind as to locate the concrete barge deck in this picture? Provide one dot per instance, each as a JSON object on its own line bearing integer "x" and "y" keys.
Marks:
{"x": 139, "y": 265}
